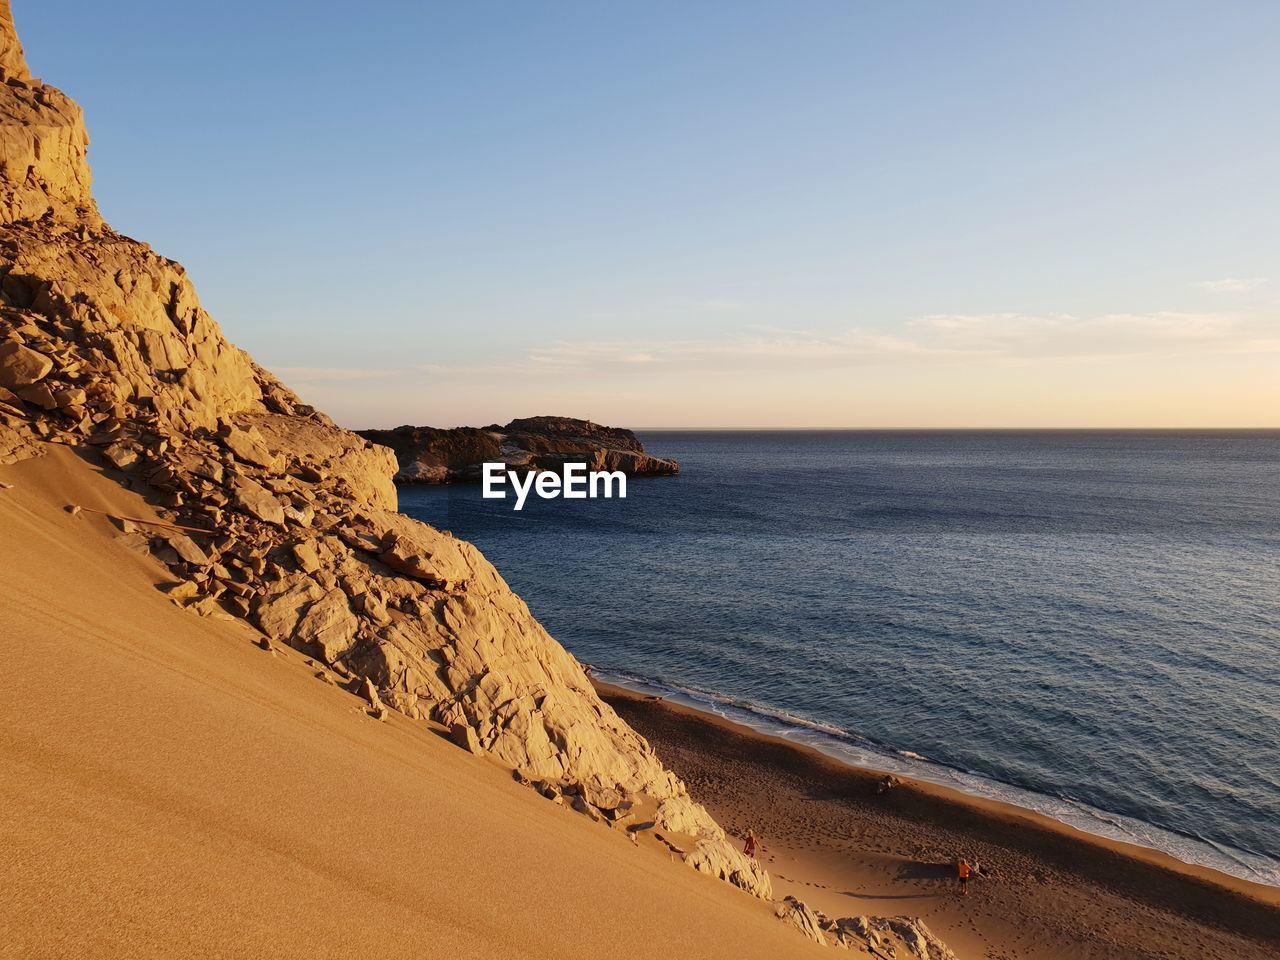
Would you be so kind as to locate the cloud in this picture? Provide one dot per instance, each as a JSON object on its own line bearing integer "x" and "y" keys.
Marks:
{"x": 936, "y": 339}
{"x": 326, "y": 374}
{"x": 758, "y": 349}
{"x": 931, "y": 341}
{"x": 471, "y": 369}
{"x": 1233, "y": 285}
{"x": 1014, "y": 335}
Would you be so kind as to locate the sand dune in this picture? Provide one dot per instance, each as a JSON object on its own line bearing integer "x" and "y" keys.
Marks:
{"x": 172, "y": 790}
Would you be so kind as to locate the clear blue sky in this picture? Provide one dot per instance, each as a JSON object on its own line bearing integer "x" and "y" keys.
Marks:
{"x": 712, "y": 213}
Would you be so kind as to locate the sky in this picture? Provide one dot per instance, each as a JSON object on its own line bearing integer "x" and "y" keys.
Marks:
{"x": 733, "y": 214}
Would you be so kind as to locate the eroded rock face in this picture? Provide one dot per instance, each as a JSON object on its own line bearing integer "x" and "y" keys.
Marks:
{"x": 289, "y": 522}
{"x": 800, "y": 916}
{"x": 43, "y": 144}
{"x": 879, "y": 936}
{"x": 431, "y": 455}
{"x": 13, "y": 62}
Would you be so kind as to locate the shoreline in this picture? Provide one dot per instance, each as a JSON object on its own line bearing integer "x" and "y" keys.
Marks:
{"x": 851, "y": 751}
{"x": 821, "y": 811}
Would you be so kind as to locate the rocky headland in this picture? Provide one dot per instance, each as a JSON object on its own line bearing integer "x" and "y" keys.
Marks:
{"x": 434, "y": 455}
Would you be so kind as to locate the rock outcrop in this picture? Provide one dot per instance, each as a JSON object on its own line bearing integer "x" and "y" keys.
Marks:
{"x": 886, "y": 937}
{"x": 431, "y": 455}
{"x": 43, "y": 165}
{"x": 277, "y": 516}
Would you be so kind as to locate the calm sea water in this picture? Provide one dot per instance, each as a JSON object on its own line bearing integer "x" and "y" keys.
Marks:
{"x": 1087, "y": 624}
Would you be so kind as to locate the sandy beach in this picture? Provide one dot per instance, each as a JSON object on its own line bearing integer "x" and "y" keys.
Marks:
{"x": 1047, "y": 892}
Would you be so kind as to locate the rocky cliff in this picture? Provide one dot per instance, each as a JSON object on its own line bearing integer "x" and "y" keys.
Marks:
{"x": 279, "y": 517}
{"x": 431, "y": 455}
{"x": 276, "y": 516}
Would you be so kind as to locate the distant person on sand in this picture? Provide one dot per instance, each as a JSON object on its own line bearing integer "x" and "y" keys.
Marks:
{"x": 749, "y": 848}
{"x": 962, "y": 871}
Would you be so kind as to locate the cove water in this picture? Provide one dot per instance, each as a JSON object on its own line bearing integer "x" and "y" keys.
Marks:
{"x": 1083, "y": 623}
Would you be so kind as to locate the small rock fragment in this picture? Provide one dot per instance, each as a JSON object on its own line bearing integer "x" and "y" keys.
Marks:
{"x": 122, "y": 456}
{"x": 370, "y": 693}
{"x": 255, "y": 500}
{"x": 307, "y": 556}
{"x": 40, "y": 395}
{"x": 186, "y": 548}
{"x": 464, "y": 736}
{"x": 183, "y": 590}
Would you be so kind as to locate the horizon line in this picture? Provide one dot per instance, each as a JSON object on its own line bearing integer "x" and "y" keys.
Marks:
{"x": 812, "y": 429}
{"x": 900, "y": 429}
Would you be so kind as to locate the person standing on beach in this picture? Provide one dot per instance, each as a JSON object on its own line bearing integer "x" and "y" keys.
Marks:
{"x": 749, "y": 848}
{"x": 962, "y": 871}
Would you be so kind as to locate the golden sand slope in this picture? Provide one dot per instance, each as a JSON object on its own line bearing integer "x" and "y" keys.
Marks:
{"x": 171, "y": 790}
{"x": 288, "y": 521}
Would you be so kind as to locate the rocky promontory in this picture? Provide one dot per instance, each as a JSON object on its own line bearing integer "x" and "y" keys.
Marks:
{"x": 433, "y": 455}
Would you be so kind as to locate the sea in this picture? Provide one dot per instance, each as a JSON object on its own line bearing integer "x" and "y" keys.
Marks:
{"x": 1086, "y": 624}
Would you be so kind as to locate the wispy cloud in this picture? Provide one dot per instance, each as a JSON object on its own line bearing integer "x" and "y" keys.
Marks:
{"x": 1015, "y": 335}
{"x": 939, "y": 338}
{"x": 777, "y": 347}
{"x": 326, "y": 374}
{"x": 935, "y": 340}
{"x": 470, "y": 369}
{"x": 1233, "y": 284}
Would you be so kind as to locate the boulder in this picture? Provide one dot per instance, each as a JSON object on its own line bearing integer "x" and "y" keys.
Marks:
{"x": 307, "y": 556}
{"x": 39, "y": 394}
{"x": 183, "y": 590}
{"x": 186, "y": 549}
{"x": 70, "y": 397}
{"x": 370, "y": 693}
{"x": 248, "y": 446}
{"x": 411, "y": 559}
{"x": 255, "y": 500}
{"x": 121, "y": 455}
{"x": 465, "y": 736}
{"x": 21, "y": 366}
